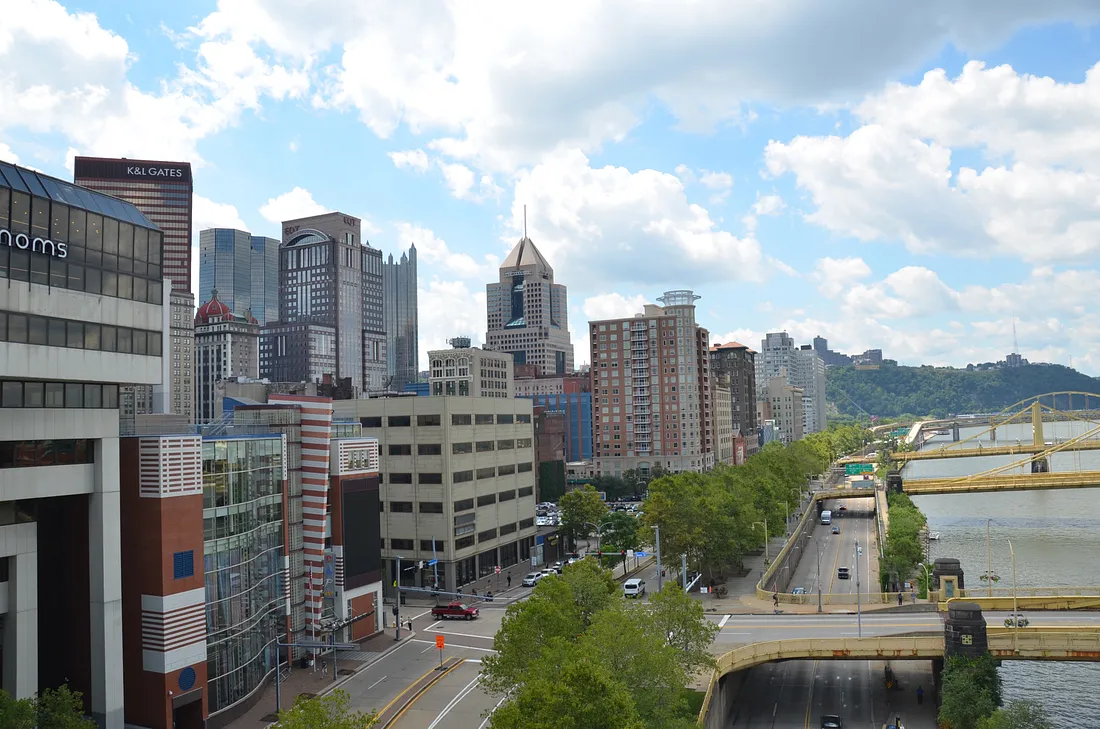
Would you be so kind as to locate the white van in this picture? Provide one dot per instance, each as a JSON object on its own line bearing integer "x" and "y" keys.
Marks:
{"x": 826, "y": 517}
{"x": 633, "y": 587}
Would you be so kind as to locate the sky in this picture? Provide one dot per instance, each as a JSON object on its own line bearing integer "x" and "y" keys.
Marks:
{"x": 914, "y": 177}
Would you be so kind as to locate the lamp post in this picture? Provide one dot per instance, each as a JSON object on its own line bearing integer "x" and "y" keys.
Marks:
{"x": 859, "y": 604}
{"x": 660, "y": 580}
{"x": 1015, "y": 615}
{"x": 927, "y": 582}
{"x": 787, "y": 520}
{"x": 817, "y": 546}
{"x": 765, "y": 525}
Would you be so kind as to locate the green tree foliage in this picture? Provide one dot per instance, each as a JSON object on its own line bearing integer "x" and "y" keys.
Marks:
{"x": 620, "y": 532}
{"x": 324, "y": 712}
{"x": 579, "y": 508}
{"x": 902, "y": 554}
{"x": 1017, "y": 715}
{"x": 55, "y": 708}
{"x": 894, "y": 391}
{"x": 576, "y": 654}
{"x": 970, "y": 691}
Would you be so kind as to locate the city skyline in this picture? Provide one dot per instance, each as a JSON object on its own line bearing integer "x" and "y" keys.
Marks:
{"x": 752, "y": 187}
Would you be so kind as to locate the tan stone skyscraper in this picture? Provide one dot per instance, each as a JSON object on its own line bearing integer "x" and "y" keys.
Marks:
{"x": 528, "y": 313}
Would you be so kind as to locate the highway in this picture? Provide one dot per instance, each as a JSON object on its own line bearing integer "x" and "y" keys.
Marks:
{"x": 839, "y": 550}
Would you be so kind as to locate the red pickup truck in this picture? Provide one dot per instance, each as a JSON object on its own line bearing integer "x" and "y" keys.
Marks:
{"x": 454, "y": 610}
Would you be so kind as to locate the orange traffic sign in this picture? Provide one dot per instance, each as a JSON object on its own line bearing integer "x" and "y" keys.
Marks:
{"x": 439, "y": 642}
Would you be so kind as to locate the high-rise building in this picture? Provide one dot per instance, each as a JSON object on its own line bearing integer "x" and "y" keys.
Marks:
{"x": 458, "y": 484}
{"x": 83, "y": 310}
{"x": 181, "y": 383}
{"x": 651, "y": 390}
{"x": 320, "y": 327}
{"x": 160, "y": 190}
{"x": 733, "y": 365}
{"x": 374, "y": 328}
{"x": 467, "y": 371}
{"x": 780, "y": 409}
{"x": 802, "y": 367}
{"x": 244, "y": 268}
{"x": 226, "y": 345}
{"x": 723, "y": 431}
{"x": 528, "y": 314}
{"x": 400, "y": 311}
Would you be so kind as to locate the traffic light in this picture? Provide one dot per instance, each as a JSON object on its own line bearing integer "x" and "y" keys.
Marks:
{"x": 599, "y": 553}
{"x": 623, "y": 553}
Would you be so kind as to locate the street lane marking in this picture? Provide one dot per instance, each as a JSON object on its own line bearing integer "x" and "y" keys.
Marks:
{"x": 417, "y": 617}
{"x": 484, "y": 723}
{"x": 433, "y": 625}
{"x": 805, "y": 626}
{"x": 454, "y": 702}
{"x": 461, "y": 635}
{"x": 723, "y": 621}
{"x": 377, "y": 682}
{"x": 466, "y": 647}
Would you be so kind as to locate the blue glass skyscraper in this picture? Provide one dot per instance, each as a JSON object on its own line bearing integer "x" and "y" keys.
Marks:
{"x": 244, "y": 268}
{"x": 577, "y": 407}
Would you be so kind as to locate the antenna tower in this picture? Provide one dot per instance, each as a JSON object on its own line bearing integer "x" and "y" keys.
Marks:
{"x": 1015, "y": 342}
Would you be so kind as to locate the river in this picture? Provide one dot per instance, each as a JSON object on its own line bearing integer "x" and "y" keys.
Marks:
{"x": 1056, "y": 537}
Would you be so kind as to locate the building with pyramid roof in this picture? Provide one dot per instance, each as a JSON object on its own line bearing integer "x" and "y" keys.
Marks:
{"x": 528, "y": 313}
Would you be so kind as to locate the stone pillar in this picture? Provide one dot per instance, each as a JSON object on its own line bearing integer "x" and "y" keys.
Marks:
{"x": 894, "y": 483}
{"x": 105, "y": 581}
{"x": 19, "y": 543}
{"x": 964, "y": 631}
{"x": 955, "y": 432}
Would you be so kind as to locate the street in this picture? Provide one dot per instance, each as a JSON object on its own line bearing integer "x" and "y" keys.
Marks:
{"x": 839, "y": 550}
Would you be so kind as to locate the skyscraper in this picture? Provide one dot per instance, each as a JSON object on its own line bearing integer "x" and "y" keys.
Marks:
{"x": 400, "y": 320}
{"x": 320, "y": 327}
{"x": 160, "y": 190}
{"x": 374, "y": 332}
{"x": 802, "y": 368}
{"x": 733, "y": 365}
{"x": 226, "y": 346}
{"x": 528, "y": 313}
{"x": 244, "y": 268}
{"x": 651, "y": 399}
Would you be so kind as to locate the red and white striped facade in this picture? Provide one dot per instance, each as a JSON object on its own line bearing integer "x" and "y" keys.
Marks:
{"x": 316, "y": 429}
{"x": 173, "y": 630}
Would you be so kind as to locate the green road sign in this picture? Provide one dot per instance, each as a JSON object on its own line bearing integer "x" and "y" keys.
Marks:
{"x": 855, "y": 469}
{"x": 899, "y": 432}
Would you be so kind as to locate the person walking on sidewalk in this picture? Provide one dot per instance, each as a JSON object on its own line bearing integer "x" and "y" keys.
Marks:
{"x": 920, "y": 695}
{"x": 509, "y": 582}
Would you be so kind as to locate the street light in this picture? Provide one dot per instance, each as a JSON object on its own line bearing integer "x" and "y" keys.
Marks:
{"x": 660, "y": 574}
{"x": 599, "y": 529}
{"x": 1015, "y": 615}
{"x": 787, "y": 521}
{"x": 817, "y": 545}
{"x": 765, "y": 525}
{"x": 927, "y": 582}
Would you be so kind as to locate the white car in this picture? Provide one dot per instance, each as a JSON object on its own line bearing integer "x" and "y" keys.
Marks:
{"x": 532, "y": 578}
{"x": 549, "y": 571}
{"x": 633, "y": 587}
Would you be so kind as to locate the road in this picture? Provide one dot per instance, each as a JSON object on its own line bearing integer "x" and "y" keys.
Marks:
{"x": 839, "y": 550}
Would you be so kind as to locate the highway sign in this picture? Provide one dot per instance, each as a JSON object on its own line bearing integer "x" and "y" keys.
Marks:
{"x": 439, "y": 642}
{"x": 641, "y": 554}
{"x": 433, "y": 562}
{"x": 855, "y": 469}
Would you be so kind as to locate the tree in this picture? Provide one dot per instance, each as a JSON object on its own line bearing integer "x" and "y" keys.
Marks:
{"x": 54, "y": 708}
{"x": 332, "y": 711}
{"x": 1017, "y": 715}
{"x": 680, "y": 618}
{"x": 580, "y": 507}
{"x": 621, "y": 531}
{"x": 970, "y": 691}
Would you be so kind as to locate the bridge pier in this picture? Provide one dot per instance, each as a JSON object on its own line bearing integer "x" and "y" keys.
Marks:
{"x": 893, "y": 482}
{"x": 955, "y": 432}
{"x": 1040, "y": 465}
{"x": 947, "y": 576}
{"x": 964, "y": 632}
{"x": 993, "y": 434}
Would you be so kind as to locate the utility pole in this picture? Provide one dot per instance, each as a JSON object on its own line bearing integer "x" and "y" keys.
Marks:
{"x": 684, "y": 570}
{"x": 397, "y": 599}
{"x": 859, "y": 605}
{"x": 657, "y": 530}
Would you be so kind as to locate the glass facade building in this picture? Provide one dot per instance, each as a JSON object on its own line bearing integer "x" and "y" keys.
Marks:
{"x": 577, "y": 407}
{"x": 243, "y": 268}
{"x": 400, "y": 312}
{"x": 161, "y": 190}
{"x": 243, "y": 483}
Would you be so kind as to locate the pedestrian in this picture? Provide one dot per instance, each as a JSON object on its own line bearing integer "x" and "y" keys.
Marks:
{"x": 899, "y": 598}
{"x": 914, "y": 596}
{"x": 509, "y": 582}
{"x": 920, "y": 695}
{"x": 410, "y": 625}
{"x": 775, "y": 598}
{"x": 324, "y": 669}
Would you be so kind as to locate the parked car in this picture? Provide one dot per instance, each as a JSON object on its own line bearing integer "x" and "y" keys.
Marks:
{"x": 455, "y": 609}
{"x": 548, "y": 571}
{"x": 633, "y": 587}
{"x": 842, "y": 573}
{"x": 557, "y": 567}
{"x": 532, "y": 578}
{"x": 830, "y": 721}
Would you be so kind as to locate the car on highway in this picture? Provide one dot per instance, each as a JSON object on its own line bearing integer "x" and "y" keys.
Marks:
{"x": 798, "y": 591}
{"x": 531, "y": 579}
{"x": 634, "y": 587}
{"x": 830, "y": 721}
{"x": 842, "y": 509}
{"x": 836, "y": 530}
{"x": 842, "y": 573}
{"x": 456, "y": 609}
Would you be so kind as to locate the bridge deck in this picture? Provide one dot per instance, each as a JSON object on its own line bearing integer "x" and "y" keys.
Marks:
{"x": 1002, "y": 482}
{"x": 1014, "y": 449}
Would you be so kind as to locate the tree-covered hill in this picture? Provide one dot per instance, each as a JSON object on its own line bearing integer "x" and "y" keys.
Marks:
{"x": 892, "y": 391}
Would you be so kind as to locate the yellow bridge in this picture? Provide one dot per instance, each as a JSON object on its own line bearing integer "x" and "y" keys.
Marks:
{"x": 1064, "y": 643}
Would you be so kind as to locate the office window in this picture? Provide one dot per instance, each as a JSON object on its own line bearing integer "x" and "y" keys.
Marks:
{"x": 431, "y": 507}
{"x": 428, "y": 420}
{"x": 183, "y": 564}
{"x": 524, "y": 467}
{"x": 429, "y": 545}
{"x": 401, "y": 507}
{"x": 523, "y": 442}
{"x": 505, "y": 445}
{"x": 400, "y": 421}
{"x": 527, "y": 523}
{"x": 400, "y": 449}
{"x": 429, "y": 449}
{"x": 506, "y": 495}
{"x": 487, "y": 500}
{"x": 462, "y": 476}
{"x": 504, "y": 420}
{"x": 485, "y": 446}
{"x": 526, "y": 491}
{"x": 507, "y": 528}
{"x": 506, "y": 470}
{"x": 464, "y": 505}
{"x": 429, "y": 479}
{"x": 374, "y": 421}
{"x": 487, "y": 535}
{"x": 488, "y": 472}
{"x": 402, "y": 544}
{"x": 460, "y": 448}
{"x": 401, "y": 478}
{"x": 483, "y": 420}
{"x": 461, "y": 420}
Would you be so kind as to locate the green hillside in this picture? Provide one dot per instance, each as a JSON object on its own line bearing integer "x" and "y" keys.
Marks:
{"x": 892, "y": 391}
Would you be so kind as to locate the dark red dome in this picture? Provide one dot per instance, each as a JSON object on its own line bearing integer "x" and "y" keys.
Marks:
{"x": 211, "y": 309}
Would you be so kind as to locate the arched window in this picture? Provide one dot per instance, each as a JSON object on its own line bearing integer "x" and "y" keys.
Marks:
{"x": 450, "y": 368}
{"x": 437, "y": 368}
{"x": 463, "y": 367}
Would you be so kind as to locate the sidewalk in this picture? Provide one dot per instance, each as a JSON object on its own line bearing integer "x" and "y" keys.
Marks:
{"x": 309, "y": 682}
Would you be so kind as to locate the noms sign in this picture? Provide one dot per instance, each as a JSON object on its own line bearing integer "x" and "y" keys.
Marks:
{"x": 24, "y": 242}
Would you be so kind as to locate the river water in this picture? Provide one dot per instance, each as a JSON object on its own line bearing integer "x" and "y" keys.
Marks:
{"x": 1056, "y": 537}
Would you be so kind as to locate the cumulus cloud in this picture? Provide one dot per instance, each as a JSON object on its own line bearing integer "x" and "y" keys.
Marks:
{"x": 416, "y": 159}
{"x": 297, "y": 203}
{"x": 438, "y": 256}
{"x": 835, "y": 274}
{"x": 448, "y": 309}
{"x": 7, "y": 155}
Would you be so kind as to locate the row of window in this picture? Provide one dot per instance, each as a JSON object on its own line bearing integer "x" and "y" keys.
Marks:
{"x": 53, "y": 332}
{"x": 436, "y": 479}
{"x": 27, "y": 453}
{"x": 436, "y": 507}
{"x": 436, "y": 449}
{"x": 426, "y": 544}
{"x": 74, "y": 275}
{"x": 405, "y": 421}
{"x": 15, "y": 394}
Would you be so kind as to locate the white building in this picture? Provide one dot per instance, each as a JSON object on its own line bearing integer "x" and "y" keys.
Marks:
{"x": 77, "y": 319}
{"x": 471, "y": 372}
{"x": 458, "y": 483}
{"x": 226, "y": 346}
{"x": 802, "y": 367}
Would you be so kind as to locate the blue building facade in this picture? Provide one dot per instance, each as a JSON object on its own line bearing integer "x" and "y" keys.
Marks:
{"x": 577, "y": 407}
{"x": 244, "y": 268}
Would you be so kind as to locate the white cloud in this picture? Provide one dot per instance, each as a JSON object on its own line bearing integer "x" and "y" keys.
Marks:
{"x": 465, "y": 185}
{"x": 434, "y": 252}
{"x": 835, "y": 274}
{"x": 768, "y": 204}
{"x": 415, "y": 159}
{"x": 596, "y": 308}
{"x": 716, "y": 180}
{"x": 640, "y": 225}
{"x": 297, "y": 203}
{"x": 500, "y": 84}
{"x": 448, "y": 309}
{"x": 7, "y": 154}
